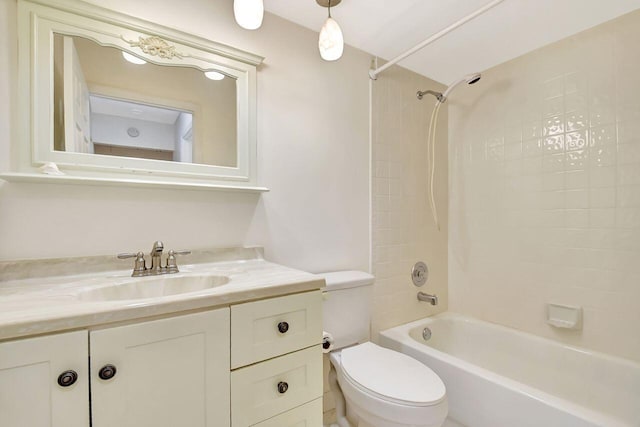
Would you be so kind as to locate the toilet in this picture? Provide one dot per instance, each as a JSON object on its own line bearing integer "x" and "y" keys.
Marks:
{"x": 381, "y": 387}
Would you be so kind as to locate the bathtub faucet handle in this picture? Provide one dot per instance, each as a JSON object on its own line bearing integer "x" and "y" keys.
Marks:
{"x": 431, "y": 299}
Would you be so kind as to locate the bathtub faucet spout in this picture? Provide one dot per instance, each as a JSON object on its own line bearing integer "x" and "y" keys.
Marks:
{"x": 431, "y": 299}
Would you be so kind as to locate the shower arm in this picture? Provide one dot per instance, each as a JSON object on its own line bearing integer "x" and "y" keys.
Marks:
{"x": 373, "y": 74}
{"x": 439, "y": 96}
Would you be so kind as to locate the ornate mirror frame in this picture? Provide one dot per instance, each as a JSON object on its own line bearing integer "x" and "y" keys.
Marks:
{"x": 38, "y": 20}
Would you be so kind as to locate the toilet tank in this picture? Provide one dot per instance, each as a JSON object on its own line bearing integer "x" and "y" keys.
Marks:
{"x": 346, "y": 306}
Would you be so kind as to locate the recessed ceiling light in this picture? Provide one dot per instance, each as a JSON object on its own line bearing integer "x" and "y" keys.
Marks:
{"x": 214, "y": 75}
{"x": 133, "y": 59}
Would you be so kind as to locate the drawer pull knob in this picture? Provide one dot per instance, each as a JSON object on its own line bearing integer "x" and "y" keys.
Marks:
{"x": 283, "y": 387}
{"x": 67, "y": 378}
{"x": 283, "y": 327}
{"x": 107, "y": 372}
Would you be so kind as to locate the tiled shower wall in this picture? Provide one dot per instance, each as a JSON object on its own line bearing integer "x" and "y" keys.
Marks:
{"x": 403, "y": 229}
{"x": 545, "y": 189}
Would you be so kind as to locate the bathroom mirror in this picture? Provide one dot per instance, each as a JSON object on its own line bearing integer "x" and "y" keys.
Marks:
{"x": 111, "y": 97}
{"x": 139, "y": 109}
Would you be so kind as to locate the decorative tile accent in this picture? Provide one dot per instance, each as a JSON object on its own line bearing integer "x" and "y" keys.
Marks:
{"x": 576, "y": 120}
{"x": 553, "y": 126}
{"x": 576, "y": 140}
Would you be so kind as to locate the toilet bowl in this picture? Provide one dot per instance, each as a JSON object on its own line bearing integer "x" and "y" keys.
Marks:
{"x": 381, "y": 387}
{"x": 384, "y": 388}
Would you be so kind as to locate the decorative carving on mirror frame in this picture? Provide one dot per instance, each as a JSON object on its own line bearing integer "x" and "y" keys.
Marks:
{"x": 155, "y": 46}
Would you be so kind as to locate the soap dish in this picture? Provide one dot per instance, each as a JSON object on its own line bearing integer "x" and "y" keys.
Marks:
{"x": 564, "y": 316}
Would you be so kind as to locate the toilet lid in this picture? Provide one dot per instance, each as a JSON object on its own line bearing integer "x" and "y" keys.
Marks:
{"x": 392, "y": 375}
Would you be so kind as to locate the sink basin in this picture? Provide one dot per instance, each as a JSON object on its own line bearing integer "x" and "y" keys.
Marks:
{"x": 153, "y": 287}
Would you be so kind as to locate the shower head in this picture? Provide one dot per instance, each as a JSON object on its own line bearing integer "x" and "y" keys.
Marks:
{"x": 468, "y": 79}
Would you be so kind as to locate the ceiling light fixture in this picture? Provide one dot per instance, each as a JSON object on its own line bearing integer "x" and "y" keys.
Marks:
{"x": 249, "y": 13}
{"x": 330, "y": 42}
{"x": 214, "y": 75}
{"x": 133, "y": 59}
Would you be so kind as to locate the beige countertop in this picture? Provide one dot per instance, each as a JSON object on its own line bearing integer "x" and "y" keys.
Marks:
{"x": 44, "y": 304}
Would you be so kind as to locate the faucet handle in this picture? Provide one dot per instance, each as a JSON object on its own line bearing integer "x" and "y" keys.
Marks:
{"x": 139, "y": 267}
{"x": 172, "y": 266}
{"x": 127, "y": 255}
{"x": 183, "y": 252}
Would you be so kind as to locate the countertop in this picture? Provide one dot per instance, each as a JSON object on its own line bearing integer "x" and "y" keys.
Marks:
{"x": 45, "y": 304}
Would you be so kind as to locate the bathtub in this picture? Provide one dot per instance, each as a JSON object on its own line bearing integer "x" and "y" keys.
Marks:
{"x": 501, "y": 377}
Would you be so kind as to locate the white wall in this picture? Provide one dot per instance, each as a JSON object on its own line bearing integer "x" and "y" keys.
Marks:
{"x": 313, "y": 154}
{"x": 112, "y": 130}
{"x": 545, "y": 189}
{"x": 7, "y": 77}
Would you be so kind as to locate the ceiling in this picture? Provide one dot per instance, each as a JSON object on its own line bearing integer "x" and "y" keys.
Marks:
{"x": 132, "y": 110}
{"x": 386, "y": 28}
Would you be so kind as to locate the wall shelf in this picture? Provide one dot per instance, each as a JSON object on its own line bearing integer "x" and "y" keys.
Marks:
{"x": 129, "y": 182}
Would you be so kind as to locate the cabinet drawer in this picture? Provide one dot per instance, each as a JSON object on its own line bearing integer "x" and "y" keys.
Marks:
{"x": 309, "y": 415}
{"x": 255, "y": 393}
{"x": 264, "y": 329}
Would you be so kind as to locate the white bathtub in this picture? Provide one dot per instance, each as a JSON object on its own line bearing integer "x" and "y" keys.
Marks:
{"x": 501, "y": 377}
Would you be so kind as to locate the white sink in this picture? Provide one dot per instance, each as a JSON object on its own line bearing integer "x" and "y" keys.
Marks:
{"x": 153, "y": 287}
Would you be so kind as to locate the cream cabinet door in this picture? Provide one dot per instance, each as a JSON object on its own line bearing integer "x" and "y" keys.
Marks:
{"x": 162, "y": 373}
{"x": 30, "y": 372}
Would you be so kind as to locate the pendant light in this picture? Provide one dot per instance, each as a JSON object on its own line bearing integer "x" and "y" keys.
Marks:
{"x": 249, "y": 13}
{"x": 330, "y": 42}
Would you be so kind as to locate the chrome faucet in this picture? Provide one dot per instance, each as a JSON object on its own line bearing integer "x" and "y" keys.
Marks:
{"x": 156, "y": 257}
{"x": 431, "y": 299}
{"x": 156, "y": 268}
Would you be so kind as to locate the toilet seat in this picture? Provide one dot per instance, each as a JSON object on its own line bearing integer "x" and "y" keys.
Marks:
{"x": 385, "y": 388}
{"x": 391, "y": 376}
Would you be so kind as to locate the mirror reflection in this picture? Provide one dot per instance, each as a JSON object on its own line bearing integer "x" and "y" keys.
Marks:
{"x": 128, "y": 129}
{"x": 111, "y": 102}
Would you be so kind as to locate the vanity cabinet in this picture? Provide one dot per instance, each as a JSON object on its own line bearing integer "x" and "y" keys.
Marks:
{"x": 251, "y": 364}
{"x": 44, "y": 381}
{"x": 163, "y": 373}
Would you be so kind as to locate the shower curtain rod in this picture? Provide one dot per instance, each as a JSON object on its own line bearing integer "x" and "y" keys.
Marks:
{"x": 373, "y": 74}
